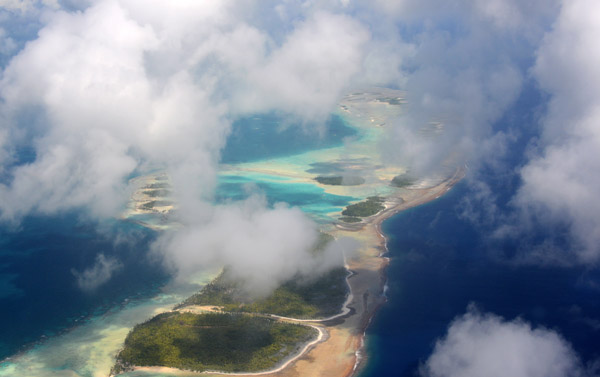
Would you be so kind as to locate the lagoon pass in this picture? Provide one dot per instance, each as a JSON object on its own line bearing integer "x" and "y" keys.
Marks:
{"x": 321, "y": 181}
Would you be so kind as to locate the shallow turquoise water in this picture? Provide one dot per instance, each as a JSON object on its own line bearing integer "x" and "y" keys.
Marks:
{"x": 39, "y": 297}
{"x": 312, "y": 199}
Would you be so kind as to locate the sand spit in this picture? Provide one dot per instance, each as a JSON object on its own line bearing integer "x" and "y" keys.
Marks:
{"x": 151, "y": 204}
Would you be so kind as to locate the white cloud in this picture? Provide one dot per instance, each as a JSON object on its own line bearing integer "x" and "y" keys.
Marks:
{"x": 561, "y": 183}
{"x": 263, "y": 247}
{"x": 487, "y": 345}
{"x": 88, "y": 85}
{"x": 466, "y": 66}
{"x": 464, "y": 81}
{"x": 118, "y": 88}
{"x": 525, "y": 17}
{"x": 123, "y": 85}
{"x": 101, "y": 272}
{"x": 315, "y": 63}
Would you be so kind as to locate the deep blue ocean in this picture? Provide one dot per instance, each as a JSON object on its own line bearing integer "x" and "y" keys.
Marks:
{"x": 39, "y": 295}
{"x": 440, "y": 263}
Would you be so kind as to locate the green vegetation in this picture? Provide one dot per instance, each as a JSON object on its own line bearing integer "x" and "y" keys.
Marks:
{"x": 368, "y": 207}
{"x": 402, "y": 180}
{"x": 350, "y": 219}
{"x": 211, "y": 341}
{"x": 158, "y": 185}
{"x": 322, "y": 241}
{"x": 161, "y": 193}
{"x": 338, "y": 180}
{"x": 242, "y": 337}
{"x": 318, "y": 298}
{"x": 156, "y": 203}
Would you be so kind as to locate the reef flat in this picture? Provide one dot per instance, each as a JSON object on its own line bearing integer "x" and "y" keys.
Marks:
{"x": 377, "y": 190}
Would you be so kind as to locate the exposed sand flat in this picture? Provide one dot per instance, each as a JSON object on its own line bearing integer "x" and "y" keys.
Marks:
{"x": 151, "y": 202}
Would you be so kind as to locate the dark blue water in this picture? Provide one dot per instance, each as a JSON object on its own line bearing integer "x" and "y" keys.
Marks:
{"x": 273, "y": 135}
{"x": 441, "y": 263}
{"x": 39, "y": 294}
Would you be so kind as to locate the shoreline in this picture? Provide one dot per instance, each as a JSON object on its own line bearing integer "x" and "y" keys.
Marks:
{"x": 339, "y": 350}
{"x": 322, "y": 333}
{"x": 343, "y": 354}
{"x": 426, "y": 195}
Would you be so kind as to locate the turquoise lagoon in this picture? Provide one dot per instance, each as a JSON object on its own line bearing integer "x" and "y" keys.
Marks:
{"x": 50, "y": 327}
{"x": 311, "y": 198}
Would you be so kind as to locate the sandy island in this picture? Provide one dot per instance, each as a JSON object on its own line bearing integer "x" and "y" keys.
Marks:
{"x": 338, "y": 349}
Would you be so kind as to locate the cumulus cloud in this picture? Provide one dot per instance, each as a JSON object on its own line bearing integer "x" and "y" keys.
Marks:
{"x": 263, "y": 247}
{"x": 462, "y": 75}
{"x": 487, "y": 345}
{"x": 85, "y": 87}
{"x": 101, "y": 272}
{"x": 465, "y": 67}
{"x": 111, "y": 89}
{"x": 315, "y": 63}
{"x": 124, "y": 86}
{"x": 561, "y": 182}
